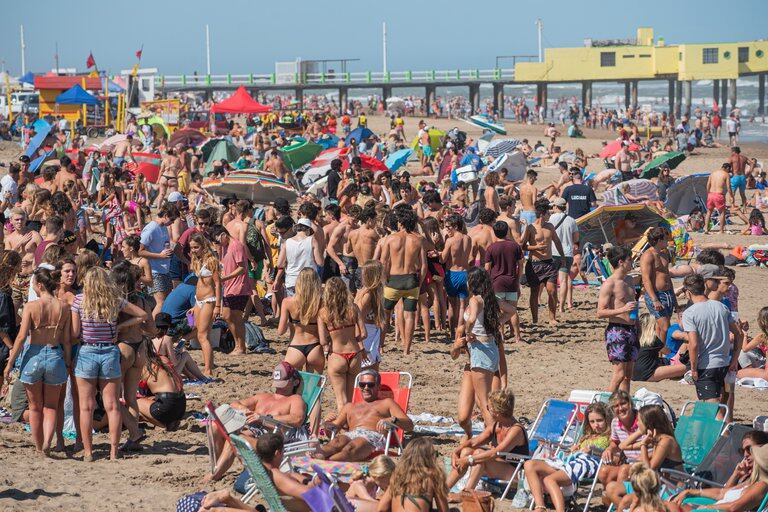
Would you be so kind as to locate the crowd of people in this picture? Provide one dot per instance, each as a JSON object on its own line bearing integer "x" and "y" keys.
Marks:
{"x": 106, "y": 280}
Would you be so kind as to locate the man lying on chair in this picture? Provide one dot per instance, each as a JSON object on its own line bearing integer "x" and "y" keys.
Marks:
{"x": 283, "y": 410}
{"x": 367, "y": 423}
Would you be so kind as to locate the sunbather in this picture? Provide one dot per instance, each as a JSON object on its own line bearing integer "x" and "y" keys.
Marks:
{"x": 480, "y": 453}
{"x": 559, "y": 478}
{"x": 366, "y": 423}
{"x": 250, "y": 417}
{"x": 650, "y": 366}
{"x": 624, "y": 423}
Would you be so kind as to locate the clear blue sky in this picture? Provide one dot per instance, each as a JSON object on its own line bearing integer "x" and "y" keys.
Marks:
{"x": 249, "y": 36}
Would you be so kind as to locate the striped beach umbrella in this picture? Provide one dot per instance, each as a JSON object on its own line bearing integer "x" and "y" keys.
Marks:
{"x": 637, "y": 187}
{"x": 496, "y": 148}
{"x": 250, "y": 185}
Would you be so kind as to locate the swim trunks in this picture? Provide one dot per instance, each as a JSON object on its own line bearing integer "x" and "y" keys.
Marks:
{"x": 621, "y": 343}
{"x": 376, "y": 440}
{"x": 715, "y": 201}
{"x": 668, "y": 302}
{"x": 406, "y": 287}
{"x": 541, "y": 272}
{"x": 456, "y": 283}
{"x": 739, "y": 182}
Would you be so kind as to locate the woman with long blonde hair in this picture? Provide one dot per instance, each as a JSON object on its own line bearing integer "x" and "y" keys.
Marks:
{"x": 370, "y": 301}
{"x": 341, "y": 326}
{"x": 205, "y": 265}
{"x": 94, "y": 320}
{"x": 417, "y": 482}
{"x": 299, "y": 315}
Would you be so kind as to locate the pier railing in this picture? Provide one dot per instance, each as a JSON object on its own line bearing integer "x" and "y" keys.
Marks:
{"x": 325, "y": 79}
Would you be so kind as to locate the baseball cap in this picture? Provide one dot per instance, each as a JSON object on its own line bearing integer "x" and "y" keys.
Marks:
{"x": 232, "y": 419}
{"x": 710, "y": 271}
{"x": 559, "y": 201}
{"x": 67, "y": 237}
{"x": 284, "y": 374}
{"x": 175, "y": 197}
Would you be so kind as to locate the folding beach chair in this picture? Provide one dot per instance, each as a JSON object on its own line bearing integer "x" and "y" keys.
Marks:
{"x": 397, "y": 386}
{"x": 327, "y": 496}
{"x": 553, "y": 430}
{"x": 213, "y": 423}
{"x": 698, "y": 431}
{"x": 312, "y": 386}
{"x": 262, "y": 483}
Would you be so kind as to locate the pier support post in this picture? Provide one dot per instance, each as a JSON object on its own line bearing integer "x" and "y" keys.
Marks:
{"x": 732, "y": 94}
{"x": 386, "y": 93}
{"x": 716, "y": 91}
{"x": 671, "y": 94}
{"x": 541, "y": 97}
{"x": 678, "y": 98}
{"x": 208, "y": 95}
{"x": 687, "y": 94}
{"x": 633, "y": 86}
{"x": 626, "y": 95}
{"x": 343, "y": 94}
{"x": 761, "y": 94}
{"x": 724, "y": 98}
{"x": 429, "y": 99}
{"x": 474, "y": 98}
{"x": 586, "y": 95}
{"x": 300, "y": 98}
{"x": 498, "y": 99}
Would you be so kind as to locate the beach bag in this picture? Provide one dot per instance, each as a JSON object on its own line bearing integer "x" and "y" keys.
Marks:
{"x": 466, "y": 174}
{"x": 476, "y": 501}
{"x": 255, "y": 242}
{"x": 190, "y": 502}
{"x": 254, "y": 337}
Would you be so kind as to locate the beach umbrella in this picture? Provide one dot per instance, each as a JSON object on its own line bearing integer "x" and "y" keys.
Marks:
{"x": 610, "y": 149}
{"x": 147, "y": 164}
{"x": 252, "y": 186}
{"x": 499, "y": 147}
{"x": 601, "y": 225}
{"x": 186, "y": 137}
{"x": 398, "y": 159}
{"x": 671, "y": 159}
{"x": 207, "y": 146}
{"x": 359, "y": 134}
{"x": 637, "y": 187}
{"x": 327, "y": 156}
{"x": 38, "y": 162}
{"x": 224, "y": 150}
{"x": 514, "y": 163}
{"x": 687, "y": 193}
{"x": 299, "y": 152}
{"x": 484, "y": 141}
{"x": 328, "y": 141}
{"x": 373, "y": 164}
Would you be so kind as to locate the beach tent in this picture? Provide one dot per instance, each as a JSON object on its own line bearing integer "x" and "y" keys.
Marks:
{"x": 28, "y": 78}
{"x": 299, "y": 152}
{"x": 157, "y": 123}
{"x": 208, "y": 146}
{"x": 638, "y": 187}
{"x": 601, "y": 225}
{"x": 76, "y": 95}
{"x": 240, "y": 103}
{"x": 515, "y": 164}
{"x": 359, "y": 134}
{"x": 224, "y": 150}
{"x": 671, "y": 159}
{"x": 686, "y": 193}
{"x": 328, "y": 141}
{"x": 435, "y": 139}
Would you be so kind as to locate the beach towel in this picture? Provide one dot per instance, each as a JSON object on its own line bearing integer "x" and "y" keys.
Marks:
{"x": 753, "y": 382}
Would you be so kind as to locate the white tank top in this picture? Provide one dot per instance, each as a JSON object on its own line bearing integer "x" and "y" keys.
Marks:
{"x": 298, "y": 255}
{"x": 479, "y": 328}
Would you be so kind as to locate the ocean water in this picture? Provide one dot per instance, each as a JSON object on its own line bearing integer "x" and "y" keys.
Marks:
{"x": 651, "y": 95}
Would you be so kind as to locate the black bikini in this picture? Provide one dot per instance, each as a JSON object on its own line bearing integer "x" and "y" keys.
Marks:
{"x": 304, "y": 349}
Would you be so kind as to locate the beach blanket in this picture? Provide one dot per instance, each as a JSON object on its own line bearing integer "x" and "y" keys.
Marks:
{"x": 343, "y": 471}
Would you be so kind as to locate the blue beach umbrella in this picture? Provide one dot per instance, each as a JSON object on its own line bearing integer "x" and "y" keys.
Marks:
{"x": 398, "y": 159}
{"x": 328, "y": 141}
{"x": 359, "y": 134}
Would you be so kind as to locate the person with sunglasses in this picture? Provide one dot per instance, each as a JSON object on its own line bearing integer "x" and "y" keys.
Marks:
{"x": 366, "y": 422}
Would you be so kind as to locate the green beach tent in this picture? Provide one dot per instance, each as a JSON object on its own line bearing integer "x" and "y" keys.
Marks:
{"x": 299, "y": 152}
{"x": 223, "y": 150}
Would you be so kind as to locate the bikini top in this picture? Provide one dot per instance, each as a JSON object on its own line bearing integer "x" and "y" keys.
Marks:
{"x": 204, "y": 272}
{"x": 55, "y": 326}
{"x": 334, "y": 329}
{"x": 296, "y": 321}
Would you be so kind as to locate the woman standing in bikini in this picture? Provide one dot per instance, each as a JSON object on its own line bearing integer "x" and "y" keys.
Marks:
{"x": 299, "y": 315}
{"x": 341, "y": 326}
{"x": 45, "y": 359}
{"x": 370, "y": 300}
{"x": 205, "y": 265}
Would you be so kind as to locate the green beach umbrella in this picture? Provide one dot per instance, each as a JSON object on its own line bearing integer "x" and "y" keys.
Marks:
{"x": 224, "y": 150}
{"x": 652, "y": 168}
{"x": 299, "y": 153}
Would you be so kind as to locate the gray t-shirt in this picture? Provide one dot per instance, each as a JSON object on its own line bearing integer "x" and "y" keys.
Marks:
{"x": 710, "y": 321}
{"x": 565, "y": 232}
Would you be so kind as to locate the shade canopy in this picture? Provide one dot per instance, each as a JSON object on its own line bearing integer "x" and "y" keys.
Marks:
{"x": 687, "y": 194}
{"x": 603, "y": 224}
{"x": 240, "y": 103}
{"x": 28, "y": 78}
{"x": 76, "y": 95}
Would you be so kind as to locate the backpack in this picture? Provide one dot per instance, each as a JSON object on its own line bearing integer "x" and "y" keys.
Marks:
{"x": 253, "y": 336}
{"x": 255, "y": 242}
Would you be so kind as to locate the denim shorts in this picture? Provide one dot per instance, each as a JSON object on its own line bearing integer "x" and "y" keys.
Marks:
{"x": 43, "y": 363}
{"x": 98, "y": 362}
{"x": 484, "y": 356}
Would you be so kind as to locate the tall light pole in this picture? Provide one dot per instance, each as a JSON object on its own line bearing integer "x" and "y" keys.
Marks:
{"x": 23, "y": 51}
{"x": 539, "y": 28}
{"x": 208, "y": 48}
{"x": 384, "y": 41}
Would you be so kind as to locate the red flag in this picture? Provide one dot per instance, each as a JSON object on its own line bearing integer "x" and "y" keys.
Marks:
{"x": 138, "y": 54}
{"x": 91, "y": 62}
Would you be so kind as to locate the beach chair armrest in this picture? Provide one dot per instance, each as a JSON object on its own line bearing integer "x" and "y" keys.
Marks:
{"x": 513, "y": 457}
{"x": 272, "y": 423}
{"x": 687, "y": 479}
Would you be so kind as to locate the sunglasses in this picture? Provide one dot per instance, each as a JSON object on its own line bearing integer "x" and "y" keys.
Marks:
{"x": 369, "y": 385}
{"x": 744, "y": 450}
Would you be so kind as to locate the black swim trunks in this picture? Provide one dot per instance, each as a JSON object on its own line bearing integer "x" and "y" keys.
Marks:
{"x": 539, "y": 272}
{"x": 406, "y": 287}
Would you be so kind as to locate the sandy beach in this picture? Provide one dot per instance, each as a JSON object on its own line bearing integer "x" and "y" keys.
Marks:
{"x": 568, "y": 356}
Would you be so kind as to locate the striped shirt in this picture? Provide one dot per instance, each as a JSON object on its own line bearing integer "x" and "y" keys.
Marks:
{"x": 92, "y": 330}
{"x": 619, "y": 434}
